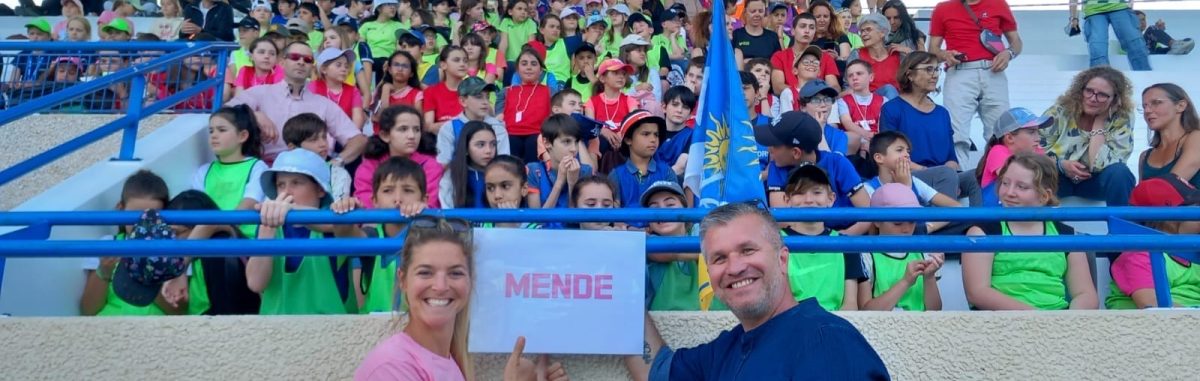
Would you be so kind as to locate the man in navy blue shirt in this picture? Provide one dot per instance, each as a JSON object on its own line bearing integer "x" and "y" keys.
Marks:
{"x": 796, "y": 140}
{"x": 777, "y": 338}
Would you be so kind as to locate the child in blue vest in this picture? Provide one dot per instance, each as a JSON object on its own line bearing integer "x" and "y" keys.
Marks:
{"x": 142, "y": 191}
{"x": 678, "y": 103}
{"x": 398, "y": 184}
{"x": 640, "y": 133}
{"x": 795, "y": 141}
{"x": 831, "y": 278}
{"x": 899, "y": 281}
{"x": 299, "y": 179}
{"x": 555, "y": 179}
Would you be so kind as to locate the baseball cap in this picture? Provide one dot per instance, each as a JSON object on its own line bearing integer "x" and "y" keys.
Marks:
{"x": 248, "y": 23}
{"x": 380, "y": 3}
{"x": 637, "y": 17}
{"x": 569, "y": 12}
{"x": 333, "y": 53}
{"x": 775, "y": 6}
{"x": 106, "y": 17}
{"x": 808, "y": 171}
{"x": 661, "y": 186}
{"x": 475, "y": 86}
{"x": 594, "y": 2}
{"x": 589, "y": 128}
{"x": 595, "y": 19}
{"x": 118, "y": 24}
{"x": 260, "y": 4}
{"x": 299, "y": 161}
{"x": 679, "y": 9}
{"x": 482, "y": 25}
{"x": 894, "y": 195}
{"x": 795, "y": 129}
{"x": 40, "y": 24}
{"x": 1017, "y": 118}
{"x": 346, "y": 20}
{"x": 810, "y": 50}
{"x": 584, "y": 47}
{"x": 619, "y": 8}
{"x": 538, "y": 47}
{"x": 139, "y": 280}
{"x": 613, "y": 64}
{"x": 418, "y": 35}
{"x": 674, "y": 13}
{"x": 817, "y": 87}
{"x": 634, "y": 39}
{"x": 297, "y": 24}
{"x": 636, "y": 118}
{"x": 1168, "y": 190}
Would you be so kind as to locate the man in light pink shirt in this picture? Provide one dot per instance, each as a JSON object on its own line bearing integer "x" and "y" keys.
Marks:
{"x": 274, "y": 104}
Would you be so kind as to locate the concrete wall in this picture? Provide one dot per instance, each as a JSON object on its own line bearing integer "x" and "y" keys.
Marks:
{"x": 1128, "y": 345}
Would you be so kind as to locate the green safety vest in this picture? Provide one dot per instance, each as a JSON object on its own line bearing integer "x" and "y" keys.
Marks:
{"x": 1035, "y": 279}
{"x": 115, "y": 306}
{"x": 1093, "y": 7}
{"x": 226, "y": 184}
{"x": 198, "y": 302}
{"x": 240, "y": 59}
{"x": 678, "y": 289}
{"x": 558, "y": 62}
{"x": 1183, "y": 280}
{"x": 310, "y": 290}
{"x": 584, "y": 89}
{"x": 888, "y": 270}
{"x": 381, "y": 36}
{"x": 518, "y": 35}
{"x": 380, "y": 290}
{"x": 818, "y": 275}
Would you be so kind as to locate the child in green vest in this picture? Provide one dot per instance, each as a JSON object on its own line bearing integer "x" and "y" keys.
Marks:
{"x": 899, "y": 281}
{"x": 232, "y": 179}
{"x": 142, "y": 191}
{"x": 398, "y": 183}
{"x": 1027, "y": 281}
{"x": 1132, "y": 280}
{"x": 301, "y": 285}
{"x": 671, "y": 283}
{"x": 831, "y": 278}
{"x": 214, "y": 286}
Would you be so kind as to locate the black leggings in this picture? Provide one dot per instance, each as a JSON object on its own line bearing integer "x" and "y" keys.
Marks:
{"x": 524, "y": 147}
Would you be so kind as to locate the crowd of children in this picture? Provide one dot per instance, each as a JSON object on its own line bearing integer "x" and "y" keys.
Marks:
{"x": 590, "y": 104}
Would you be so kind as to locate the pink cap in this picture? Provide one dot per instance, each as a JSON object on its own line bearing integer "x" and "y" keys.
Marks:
{"x": 106, "y": 17}
{"x": 612, "y": 64}
{"x": 72, "y": 60}
{"x": 894, "y": 195}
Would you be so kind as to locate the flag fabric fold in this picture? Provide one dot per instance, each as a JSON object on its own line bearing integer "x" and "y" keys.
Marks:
{"x": 722, "y": 164}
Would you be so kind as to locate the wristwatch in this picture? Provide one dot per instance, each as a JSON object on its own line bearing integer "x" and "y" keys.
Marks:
{"x": 1012, "y": 54}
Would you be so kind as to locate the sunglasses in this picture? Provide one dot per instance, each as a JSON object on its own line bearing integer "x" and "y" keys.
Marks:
{"x": 431, "y": 223}
{"x": 300, "y": 57}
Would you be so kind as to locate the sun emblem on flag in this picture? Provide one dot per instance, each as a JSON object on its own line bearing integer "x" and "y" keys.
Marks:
{"x": 716, "y": 149}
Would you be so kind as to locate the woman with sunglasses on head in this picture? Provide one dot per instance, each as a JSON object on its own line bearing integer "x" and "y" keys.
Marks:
{"x": 1091, "y": 138}
{"x": 436, "y": 275}
{"x": 1174, "y": 149}
{"x": 927, "y": 126}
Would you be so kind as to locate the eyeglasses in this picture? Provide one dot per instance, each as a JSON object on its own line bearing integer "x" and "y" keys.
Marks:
{"x": 931, "y": 70}
{"x": 1097, "y": 95}
{"x": 821, "y": 100}
{"x": 810, "y": 62}
{"x": 297, "y": 57}
{"x": 1153, "y": 104}
{"x": 401, "y": 65}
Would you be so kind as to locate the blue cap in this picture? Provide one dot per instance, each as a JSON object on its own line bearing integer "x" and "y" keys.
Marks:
{"x": 1018, "y": 118}
{"x": 593, "y": 19}
{"x": 300, "y": 161}
{"x": 816, "y": 87}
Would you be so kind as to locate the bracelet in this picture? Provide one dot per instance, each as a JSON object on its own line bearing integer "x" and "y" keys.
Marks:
{"x": 1098, "y": 131}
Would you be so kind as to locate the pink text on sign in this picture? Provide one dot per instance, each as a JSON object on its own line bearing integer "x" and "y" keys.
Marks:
{"x": 558, "y": 286}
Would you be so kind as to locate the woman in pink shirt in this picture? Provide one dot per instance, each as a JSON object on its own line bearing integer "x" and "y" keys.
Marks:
{"x": 1133, "y": 282}
{"x": 435, "y": 277}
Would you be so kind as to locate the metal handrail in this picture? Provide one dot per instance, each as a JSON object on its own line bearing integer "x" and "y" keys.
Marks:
{"x": 112, "y": 218}
{"x": 135, "y": 74}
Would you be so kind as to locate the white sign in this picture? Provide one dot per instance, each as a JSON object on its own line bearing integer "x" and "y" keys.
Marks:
{"x": 566, "y": 291}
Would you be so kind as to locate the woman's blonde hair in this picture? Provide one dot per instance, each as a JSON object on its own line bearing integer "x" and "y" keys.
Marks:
{"x": 443, "y": 233}
{"x": 1122, "y": 104}
{"x": 1045, "y": 173}
{"x": 87, "y": 25}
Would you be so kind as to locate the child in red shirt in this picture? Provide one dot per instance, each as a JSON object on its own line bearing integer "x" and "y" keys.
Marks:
{"x": 527, "y": 104}
{"x": 609, "y": 105}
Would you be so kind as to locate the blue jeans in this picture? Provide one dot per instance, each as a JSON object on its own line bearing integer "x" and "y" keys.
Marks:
{"x": 1113, "y": 185}
{"x": 1125, "y": 25}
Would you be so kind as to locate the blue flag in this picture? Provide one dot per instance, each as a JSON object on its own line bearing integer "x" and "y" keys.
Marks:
{"x": 722, "y": 162}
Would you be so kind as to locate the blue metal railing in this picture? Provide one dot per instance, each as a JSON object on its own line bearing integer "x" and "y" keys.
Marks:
{"x": 173, "y": 53}
{"x": 30, "y": 242}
